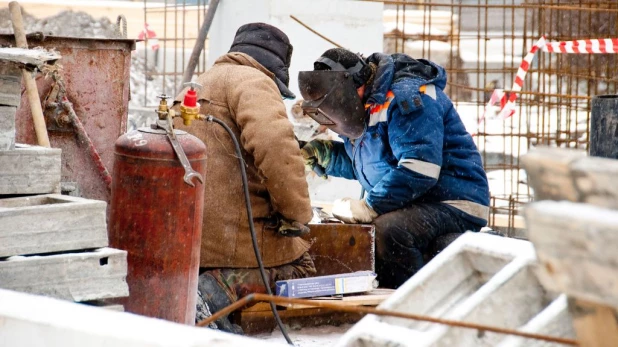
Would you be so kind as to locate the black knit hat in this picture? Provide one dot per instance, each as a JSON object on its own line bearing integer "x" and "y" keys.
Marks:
{"x": 340, "y": 59}
{"x": 270, "y": 47}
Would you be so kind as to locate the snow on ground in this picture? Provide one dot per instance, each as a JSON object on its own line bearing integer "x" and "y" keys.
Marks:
{"x": 310, "y": 336}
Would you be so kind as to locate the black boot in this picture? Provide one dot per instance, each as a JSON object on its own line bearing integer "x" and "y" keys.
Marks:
{"x": 211, "y": 298}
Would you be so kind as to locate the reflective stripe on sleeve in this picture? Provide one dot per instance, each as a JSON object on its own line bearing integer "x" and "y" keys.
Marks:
{"x": 422, "y": 167}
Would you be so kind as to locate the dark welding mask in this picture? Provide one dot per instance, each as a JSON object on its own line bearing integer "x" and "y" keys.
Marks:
{"x": 330, "y": 98}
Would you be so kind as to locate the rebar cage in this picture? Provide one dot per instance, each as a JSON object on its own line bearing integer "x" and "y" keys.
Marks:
{"x": 481, "y": 43}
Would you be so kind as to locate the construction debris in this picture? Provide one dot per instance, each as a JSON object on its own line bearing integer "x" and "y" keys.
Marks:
{"x": 65, "y": 23}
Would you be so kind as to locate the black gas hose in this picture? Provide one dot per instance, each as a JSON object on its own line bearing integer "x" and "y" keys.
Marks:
{"x": 258, "y": 257}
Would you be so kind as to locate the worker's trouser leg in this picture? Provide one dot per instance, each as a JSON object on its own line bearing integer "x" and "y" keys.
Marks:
{"x": 403, "y": 236}
{"x": 218, "y": 288}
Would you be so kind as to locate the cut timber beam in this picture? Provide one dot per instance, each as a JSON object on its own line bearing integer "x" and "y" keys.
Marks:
{"x": 51, "y": 223}
{"x": 80, "y": 276}
{"x": 341, "y": 248}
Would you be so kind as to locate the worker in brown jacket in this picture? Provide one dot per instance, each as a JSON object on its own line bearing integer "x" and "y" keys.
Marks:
{"x": 244, "y": 88}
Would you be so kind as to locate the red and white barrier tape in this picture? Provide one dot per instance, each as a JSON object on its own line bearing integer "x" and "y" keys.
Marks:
{"x": 507, "y": 102}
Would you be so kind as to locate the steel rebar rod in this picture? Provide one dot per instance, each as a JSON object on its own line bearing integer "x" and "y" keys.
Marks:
{"x": 199, "y": 43}
{"x": 315, "y": 32}
{"x": 289, "y": 302}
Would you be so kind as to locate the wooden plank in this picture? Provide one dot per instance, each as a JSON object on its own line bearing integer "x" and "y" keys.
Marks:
{"x": 36, "y": 56}
{"x": 595, "y": 324}
{"x": 576, "y": 247}
{"x": 342, "y": 248}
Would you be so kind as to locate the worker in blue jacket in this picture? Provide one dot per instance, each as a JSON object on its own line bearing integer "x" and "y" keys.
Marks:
{"x": 407, "y": 146}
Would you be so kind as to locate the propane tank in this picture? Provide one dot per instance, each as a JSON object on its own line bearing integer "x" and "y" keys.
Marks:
{"x": 156, "y": 216}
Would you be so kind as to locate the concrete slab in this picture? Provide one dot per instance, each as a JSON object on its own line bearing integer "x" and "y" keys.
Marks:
{"x": 30, "y": 170}
{"x": 479, "y": 278}
{"x": 81, "y": 276}
{"x": 51, "y": 223}
{"x": 30, "y": 320}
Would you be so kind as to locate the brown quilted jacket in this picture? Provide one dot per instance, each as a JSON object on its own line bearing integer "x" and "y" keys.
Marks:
{"x": 242, "y": 93}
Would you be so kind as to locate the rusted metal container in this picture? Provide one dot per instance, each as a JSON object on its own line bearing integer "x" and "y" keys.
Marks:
{"x": 96, "y": 74}
{"x": 157, "y": 218}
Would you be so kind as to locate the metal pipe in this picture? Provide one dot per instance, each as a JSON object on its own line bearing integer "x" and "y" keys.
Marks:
{"x": 604, "y": 126}
{"x": 201, "y": 39}
{"x": 290, "y": 302}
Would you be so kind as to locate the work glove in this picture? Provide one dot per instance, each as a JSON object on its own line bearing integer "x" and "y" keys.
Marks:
{"x": 353, "y": 211}
{"x": 292, "y": 229}
{"x": 317, "y": 155}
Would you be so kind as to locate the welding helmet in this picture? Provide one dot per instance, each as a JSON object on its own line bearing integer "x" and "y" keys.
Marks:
{"x": 329, "y": 92}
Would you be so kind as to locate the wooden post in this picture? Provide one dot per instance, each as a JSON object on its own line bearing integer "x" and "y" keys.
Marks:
{"x": 594, "y": 324}
{"x": 31, "y": 89}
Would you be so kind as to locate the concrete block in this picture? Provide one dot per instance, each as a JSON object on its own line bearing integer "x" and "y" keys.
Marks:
{"x": 576, "y": 247}
{"x": 35, "y": 321}
{"x": 51, "y": 223}
{"x": 81, "y": 276}
{"x": 30, "y": 170}
{"x": 479, "y": 278}
{"x": 7, "y": 127}
{"x": 549, "y": 172}
{"x": 564, "y": 174}
{"x": 10, "y": 96}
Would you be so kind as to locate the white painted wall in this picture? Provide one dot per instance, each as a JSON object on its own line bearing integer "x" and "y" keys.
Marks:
{"x": 355, "y": 25}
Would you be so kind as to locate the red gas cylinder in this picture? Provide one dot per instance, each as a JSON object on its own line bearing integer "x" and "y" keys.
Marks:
{"x": 157, "y": 218}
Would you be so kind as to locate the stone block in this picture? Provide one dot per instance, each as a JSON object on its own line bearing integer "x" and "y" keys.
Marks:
{"x": 51, "y": 223}
{"x": 80, "y": 276}
{"x": 479, "y": 278}
{"x": 36, "y": 321}
{"x": 30, "y": 170}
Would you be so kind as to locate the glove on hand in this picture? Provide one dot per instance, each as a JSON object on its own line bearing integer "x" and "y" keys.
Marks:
{"x": 353, "y": 211}
{"x": 317, "y": 153}
{"x": 292, "y": 229}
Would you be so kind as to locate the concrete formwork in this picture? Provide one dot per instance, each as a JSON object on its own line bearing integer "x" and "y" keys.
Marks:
{"x": 51, "y": 223}
{"x": 30, "y": 170}
{"x": 80, "y": 276}
{"x": 479, "y": 278}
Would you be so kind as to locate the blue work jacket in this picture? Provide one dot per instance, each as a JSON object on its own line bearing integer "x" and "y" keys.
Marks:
{"x": 415, "y": 147}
